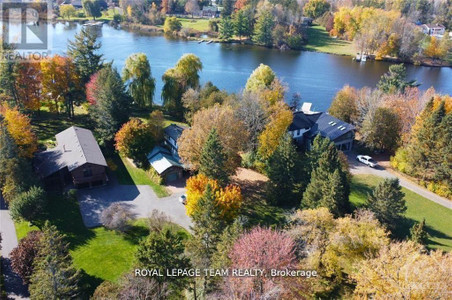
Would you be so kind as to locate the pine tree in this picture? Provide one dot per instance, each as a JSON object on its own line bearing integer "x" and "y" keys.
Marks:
{"x": 329, "y": 185}
{"x": 263, "y": 29}
{"x": 112, "y": 106}
{"x": 242, "y": 24}
{"x": 418, "y": 233}
{"x": 8, "y": 75}
{"x": 387, "y": 202}
{"x": 164, "y": 250}
{"x": 226, "y": 28}
{"x": 83, "y": 51}
{"x": 283, "y": 170}
{"x": 212, "y": 162}
{"x": 54, "y": 276}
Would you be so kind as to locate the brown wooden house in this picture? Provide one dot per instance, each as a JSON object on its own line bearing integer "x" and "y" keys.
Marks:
{"x": 76, "y": 159}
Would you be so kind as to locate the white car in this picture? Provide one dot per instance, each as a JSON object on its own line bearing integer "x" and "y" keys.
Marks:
{"x": 183, "y": 199}
{"x": 367, "y": 160}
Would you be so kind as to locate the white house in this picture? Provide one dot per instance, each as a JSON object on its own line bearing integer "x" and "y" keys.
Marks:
{"x": 434, "y": 29}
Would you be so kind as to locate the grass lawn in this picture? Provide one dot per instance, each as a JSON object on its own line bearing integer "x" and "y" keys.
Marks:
{"x": 128, "y": 174}
{"x": 437, "y": 217}
{"x": 196, "y": 24}
{"x": 319, "y": 40}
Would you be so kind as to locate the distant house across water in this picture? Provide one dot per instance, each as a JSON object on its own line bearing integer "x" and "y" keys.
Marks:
{"x": 76, "y": 159}
{"x": 434, "y": 29}
{"x": 306, "y": 125}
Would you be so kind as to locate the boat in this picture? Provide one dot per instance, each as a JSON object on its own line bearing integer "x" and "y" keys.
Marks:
{"x": 363, "y": 57}
{"x": 209, "y": 42}
{"x": 201, "y": 41}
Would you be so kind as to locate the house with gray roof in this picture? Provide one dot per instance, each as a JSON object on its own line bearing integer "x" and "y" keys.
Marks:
{"x": 76, "y": 159}
{"x": 306, "y": 125}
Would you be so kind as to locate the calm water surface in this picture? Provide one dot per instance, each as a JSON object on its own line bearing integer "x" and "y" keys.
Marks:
{"x": 316, "y": 76}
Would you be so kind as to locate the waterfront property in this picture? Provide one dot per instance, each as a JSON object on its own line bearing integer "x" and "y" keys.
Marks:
{"x": 306, "y": 125}
{"x": 76, "y": 159}
{"x": 434, "y": 29}
{"x": 165, "y": 160}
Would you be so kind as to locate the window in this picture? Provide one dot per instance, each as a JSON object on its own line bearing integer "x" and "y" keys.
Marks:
{"x": 87, "y": 172}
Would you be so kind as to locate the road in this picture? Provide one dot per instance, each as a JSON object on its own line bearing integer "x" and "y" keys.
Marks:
{"x": 13, "y": 283}
{"x": 359, "y": 168}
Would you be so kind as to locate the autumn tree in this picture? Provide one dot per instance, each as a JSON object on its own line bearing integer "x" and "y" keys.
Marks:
{"x": 67, "y": 11}
{"x": 141, "y": 84}
{"x": 437, "y": 49}
{"x": 402, "y": 270}
{"x": 191, "y": 7}
{"x": 53, "y": 275}
{"x": 316, "y": 8}
{"x": 387, "y": 202}
{"x": 381, "y": 130}
{"x": 329, "y": 185}
{"x": 344, "y": 105}
{"x": 262, "y": 77}
{"x": 179, "y": 79}
{"x": 213, "y": 159}
{"x": 30, "y": 205}
{"x": 228, "y": 199}
{"x": 231, "y": 132}
{"x": 28, "y": 85}
{"x": 111, "y": 107}
{"x": 135, "y": 140}
{"x": 163, "y": 251}
{"x": 264, "y": 249}
{"x": 84, "y": 52}
{"x": 172, "y": 25}
{"x": 23, "y": 256}
{"x": 61, "y": 83}
{"x": 20, "y": 129}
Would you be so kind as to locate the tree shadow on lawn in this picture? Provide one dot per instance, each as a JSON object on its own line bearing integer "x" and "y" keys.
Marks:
{"x": 121, "y": 173}
{"x": 318, "y": 37}
{"x": 88, "y": 284}
{"x": 136, "y": 233}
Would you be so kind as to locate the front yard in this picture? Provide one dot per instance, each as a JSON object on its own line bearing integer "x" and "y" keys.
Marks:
{"x": 438, "y": 218}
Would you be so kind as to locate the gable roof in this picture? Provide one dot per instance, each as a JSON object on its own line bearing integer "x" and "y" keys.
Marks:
{"x": 76, "y": 146}
{"x": 330, "y": 127}
{"x": 161, "y": 159}
{"x": 174, "y": 131}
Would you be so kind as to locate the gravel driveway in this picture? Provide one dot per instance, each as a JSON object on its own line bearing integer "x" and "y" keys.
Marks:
{"x": 141, "y": 199}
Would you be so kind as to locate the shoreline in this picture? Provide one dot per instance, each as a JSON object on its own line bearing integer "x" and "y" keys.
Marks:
{"x": 156, "y": 30}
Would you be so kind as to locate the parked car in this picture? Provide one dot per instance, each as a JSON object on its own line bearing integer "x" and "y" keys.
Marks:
{"x": 367, "y": 160}
{"x": 183, "y": 199}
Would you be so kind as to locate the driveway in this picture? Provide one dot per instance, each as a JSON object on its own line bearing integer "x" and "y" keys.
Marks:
{"x": 141, "y": 199}
{"x": 359, "y": 168}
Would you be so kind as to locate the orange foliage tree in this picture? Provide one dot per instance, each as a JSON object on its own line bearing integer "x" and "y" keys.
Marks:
{"x": 229, "y": 198}
{"x": 19, "y": 127}
{"x": 28, "y": 84}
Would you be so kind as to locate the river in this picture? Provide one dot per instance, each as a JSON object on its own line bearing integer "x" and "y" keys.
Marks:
{"x": 316, "y": 76}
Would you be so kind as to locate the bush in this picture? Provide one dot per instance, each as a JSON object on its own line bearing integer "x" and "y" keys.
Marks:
{"x": 295, "y": 41}
{"x": 117, "y": 18}
{"x": 23, "y": 256}
{"x": 172, "y": 25}
{"x": 154, "y": 176}
{"x": 158, "y": 220}
{"x": 117, "y": 217}
{"x": 29, "y": 206}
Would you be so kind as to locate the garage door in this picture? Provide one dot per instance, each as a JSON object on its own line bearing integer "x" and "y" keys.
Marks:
{"x": 171, "y": 177}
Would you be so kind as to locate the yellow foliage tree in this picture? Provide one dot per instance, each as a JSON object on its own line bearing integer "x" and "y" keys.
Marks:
{"x": 19, "y": 127}
{"x": 280, "y": 119}
{"x": 229, "y": 198}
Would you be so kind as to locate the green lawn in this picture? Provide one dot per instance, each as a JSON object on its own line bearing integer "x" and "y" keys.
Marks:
{"x": 319, "y": 40}
{"x": 437, "y": 217}
{"x": 128, "y": 174}
{"x": 196, "y": 24}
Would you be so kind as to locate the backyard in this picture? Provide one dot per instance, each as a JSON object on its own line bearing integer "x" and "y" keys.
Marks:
{"x": 319, "y": 40}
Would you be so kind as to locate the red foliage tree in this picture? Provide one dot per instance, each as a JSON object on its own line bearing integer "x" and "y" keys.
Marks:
{"x": 91, "y": 89}
{"x": 260, "y": 249}
{"x": 23, "y": 255}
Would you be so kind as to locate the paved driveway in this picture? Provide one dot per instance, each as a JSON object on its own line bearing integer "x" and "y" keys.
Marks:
{"x": 357, "y": 167}
{"x": 141, "y": 199}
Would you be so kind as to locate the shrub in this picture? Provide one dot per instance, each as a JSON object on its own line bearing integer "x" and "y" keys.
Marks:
{"x": 172, "y": 25}
{"x": 23, "y": 256}
{"x": 117, "y": 217}
{"x": 30, "y": 205}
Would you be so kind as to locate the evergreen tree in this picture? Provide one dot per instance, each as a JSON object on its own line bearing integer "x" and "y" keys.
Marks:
{"x": 8, "y": 74}
{"x": 83, "y": 51}
{"x": 112, "y": 106}
{"x": 394, "y": 80}
{"x": 212, "y": 161}
{"x": 283, "y": 169}
{"x": 207, "y": 228}
{"x": 418, "y": 233}
{"x": 263, "y": 29}
{"x": 164, "y": 250}
{"x": 228, "y": 8}
{"x": 443, "y": 157}
{"x": 242, "y": 24}
{"x": 226, "y": 28}
{"x": 329, "y": 185}
{"x": 387, "y": 202}
{"x": 29, "y": 206}
{"x": 54, "y": 276}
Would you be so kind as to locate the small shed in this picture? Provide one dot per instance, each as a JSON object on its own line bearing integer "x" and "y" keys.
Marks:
{"x": 166, "y": 164}
{"x": 76, "y": 159}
